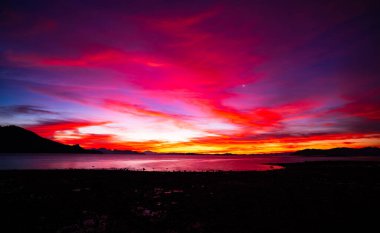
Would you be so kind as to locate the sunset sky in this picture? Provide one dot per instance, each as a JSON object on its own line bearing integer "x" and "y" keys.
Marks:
{"x": 193, "y": 76}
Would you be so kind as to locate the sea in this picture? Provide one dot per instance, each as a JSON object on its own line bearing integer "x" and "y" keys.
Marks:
{"x": 195, "y": 163}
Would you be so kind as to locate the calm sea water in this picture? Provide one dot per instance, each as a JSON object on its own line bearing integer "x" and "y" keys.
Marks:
{"x": 157, "y": 162}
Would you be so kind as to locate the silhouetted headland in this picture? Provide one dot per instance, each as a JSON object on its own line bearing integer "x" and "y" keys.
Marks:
{"x": 15, "y": 139}
{"x": 342, "y": 151}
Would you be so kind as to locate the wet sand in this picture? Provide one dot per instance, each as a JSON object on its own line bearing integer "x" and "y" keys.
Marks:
{"x": 304, "y": 197}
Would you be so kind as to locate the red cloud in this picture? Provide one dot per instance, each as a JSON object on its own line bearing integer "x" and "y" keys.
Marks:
{"x": 107, "y": 58}
{"x": 49, "y": 128}
{"x": 135, "y": 109}
{"x": 235, "y": 67}
{"x": 92, "y": 141}
{"x": 363, "y": 109}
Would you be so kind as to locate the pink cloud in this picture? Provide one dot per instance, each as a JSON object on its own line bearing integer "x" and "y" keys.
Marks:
{"x": 227, "y": 71}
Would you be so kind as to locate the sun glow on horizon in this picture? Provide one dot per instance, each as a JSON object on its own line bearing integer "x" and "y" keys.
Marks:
{"x": 203, "y": 77}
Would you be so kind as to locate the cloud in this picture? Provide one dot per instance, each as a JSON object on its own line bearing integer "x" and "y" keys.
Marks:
{"x": 89, "y": 141}
{"x": 225, "y": 76}
{"x": 48, "y": 128}
{"x": 109, "y": 58}
{"x": 139, "y": 110}
{"x": 13, "y": 110}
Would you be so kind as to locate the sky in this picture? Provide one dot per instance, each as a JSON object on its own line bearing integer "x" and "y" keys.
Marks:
{"x": 193, "y": 76}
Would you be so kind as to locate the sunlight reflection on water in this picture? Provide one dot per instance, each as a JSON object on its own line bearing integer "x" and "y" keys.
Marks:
{"x": 157, "y": 162}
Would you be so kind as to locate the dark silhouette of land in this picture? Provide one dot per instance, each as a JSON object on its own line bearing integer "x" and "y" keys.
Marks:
{"x": 305, "y": 197}
{"x": 343, "y": 151}
{"x": 15, "y": 139}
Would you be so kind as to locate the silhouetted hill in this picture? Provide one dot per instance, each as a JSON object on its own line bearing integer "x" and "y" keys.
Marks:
{"x": 342, "y": 151}
{"x": 15, "y": 139}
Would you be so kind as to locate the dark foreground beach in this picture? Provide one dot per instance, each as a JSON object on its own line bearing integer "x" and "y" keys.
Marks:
{"x": 304, "y": 197}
